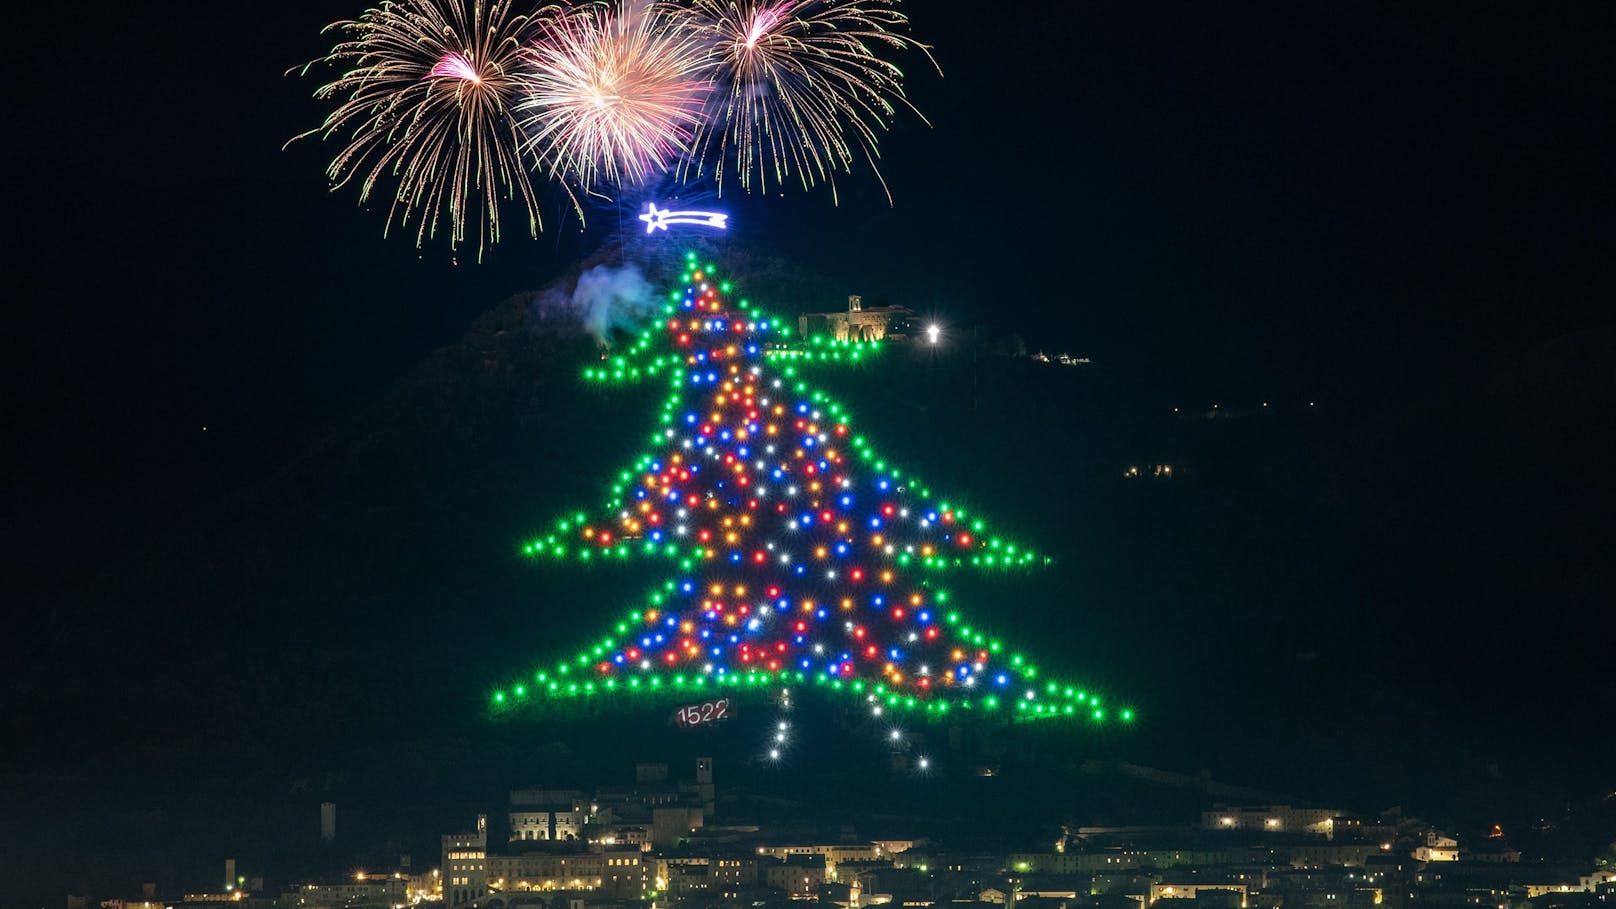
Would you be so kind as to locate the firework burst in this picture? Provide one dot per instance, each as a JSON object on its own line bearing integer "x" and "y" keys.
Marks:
{"x": 799, "y": 90}
{"x": 424, "y": 104}
{"x": 613, "y": 94}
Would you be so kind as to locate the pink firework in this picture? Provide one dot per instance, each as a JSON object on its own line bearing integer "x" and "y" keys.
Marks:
{"x": 613, "y": 95}
{"x": 455, "y": 66}
{"x": 761, "y": 21}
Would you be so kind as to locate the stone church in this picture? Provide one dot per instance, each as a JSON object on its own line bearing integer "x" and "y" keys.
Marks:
{"x": 858, "y": 323}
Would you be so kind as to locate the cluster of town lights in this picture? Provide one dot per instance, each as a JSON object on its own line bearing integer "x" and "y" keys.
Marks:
{"x": 800, "y": 552}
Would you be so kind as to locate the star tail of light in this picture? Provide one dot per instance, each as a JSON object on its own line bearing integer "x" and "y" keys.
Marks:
{"x": 660, "y": 218}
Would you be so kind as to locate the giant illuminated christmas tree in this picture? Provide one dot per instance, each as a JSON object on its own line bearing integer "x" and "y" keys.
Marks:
{"x": 803, "y": 559}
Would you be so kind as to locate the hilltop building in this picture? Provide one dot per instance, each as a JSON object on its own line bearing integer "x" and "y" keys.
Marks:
{"x": 859, "y": 322}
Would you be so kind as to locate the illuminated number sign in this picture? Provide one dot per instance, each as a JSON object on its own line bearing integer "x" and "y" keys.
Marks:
{"x": 659, "y": 218}
{"x": 704, "y": 714}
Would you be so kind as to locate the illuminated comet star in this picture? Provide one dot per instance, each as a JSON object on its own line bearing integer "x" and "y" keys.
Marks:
{"x": 659, "y": 218}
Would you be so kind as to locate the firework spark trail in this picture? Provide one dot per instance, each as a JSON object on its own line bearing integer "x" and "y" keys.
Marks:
{"x": 424, "y": 101}
{"x": 799, "y": 91}
{"x": 613, "y": 96}
{"x": 455, "y": 66}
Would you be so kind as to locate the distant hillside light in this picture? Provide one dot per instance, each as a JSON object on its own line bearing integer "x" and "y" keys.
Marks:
{"x": 933, "y": 332}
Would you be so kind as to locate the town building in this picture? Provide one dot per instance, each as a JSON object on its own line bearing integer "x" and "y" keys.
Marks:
{"x": 1436, "y": 847}
{"x": 365, "y": 890}
{"x": 1271, "y": 819}
{"x": 799, "y": 875}
{"x": 619, "y": 873}
{"x": 465, "y": 864}
{"x": 1232, "y": 896}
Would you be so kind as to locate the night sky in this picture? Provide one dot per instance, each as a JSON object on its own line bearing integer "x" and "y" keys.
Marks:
{"x": 1401, "y": 214}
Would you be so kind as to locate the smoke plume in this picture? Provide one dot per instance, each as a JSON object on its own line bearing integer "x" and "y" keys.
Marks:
{"x": 605, "y": 300}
